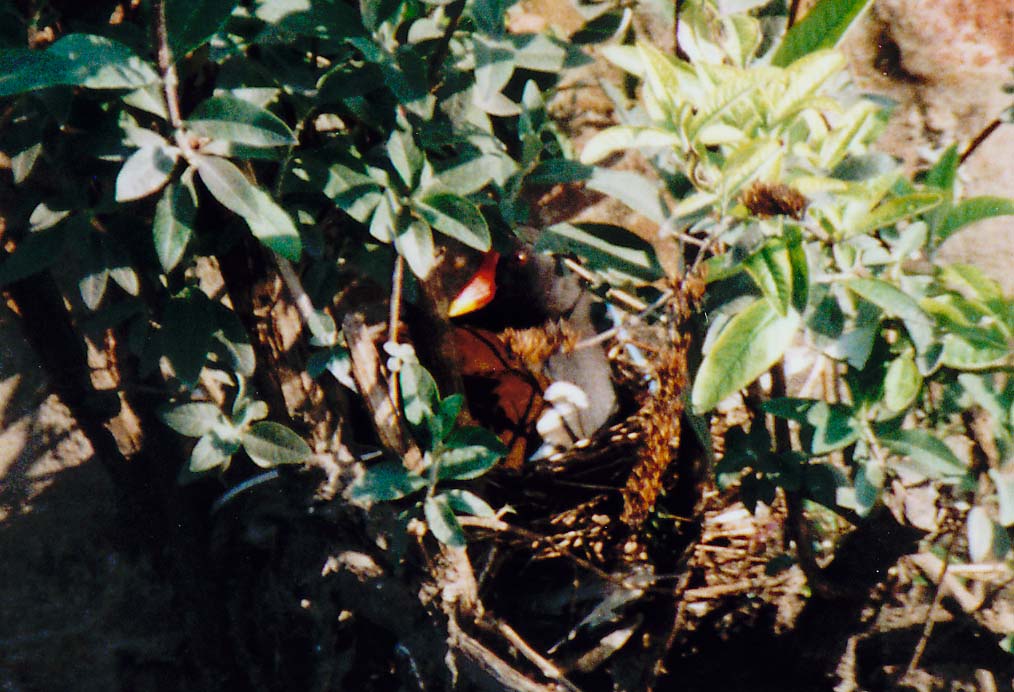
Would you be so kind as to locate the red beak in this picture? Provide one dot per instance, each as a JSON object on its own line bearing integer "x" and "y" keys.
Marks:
{"x": 479, "y": 290}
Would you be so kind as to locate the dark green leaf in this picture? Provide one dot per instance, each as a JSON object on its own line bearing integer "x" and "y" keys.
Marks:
{"x": 834, "y": 425}
{"x": 174, "y": 224}
{"x": 190, "y": 23}
{"x": 896, "y": 209}
{"x": 232, "y": 336}
{"x": 442, "y": 522}
{"x": 751, "y": 342}
{"x": 36, "y": 253}
{"x": 92, "y": 62}
{"x": 235, "y": 120}
{"x": 620, "y": 256}
{"x": 271, "y": 444}
{"x": 386, "y": 481}
{"x": 469, "y": 453}
{"x": 822, "y": 27}
{"x": 267, "y": 220}
{"x": 187, "y": 325}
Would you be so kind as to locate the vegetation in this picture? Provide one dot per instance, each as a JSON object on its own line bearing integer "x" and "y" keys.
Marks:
{"x": 202, "y": 190}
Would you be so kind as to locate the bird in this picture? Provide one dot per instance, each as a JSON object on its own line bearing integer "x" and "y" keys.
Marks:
{"x": 525, "y": 336}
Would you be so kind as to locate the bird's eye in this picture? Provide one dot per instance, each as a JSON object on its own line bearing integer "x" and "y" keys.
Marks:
{"x": 522, "y": 257}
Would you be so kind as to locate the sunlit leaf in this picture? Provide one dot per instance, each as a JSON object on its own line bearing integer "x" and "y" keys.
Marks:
{"x": 267, "y": 220}
{"x": 192, "y": 419}
{"x": 752, "y": 341}
{"x": 231, "y": 119}
{"x": 969, "y": 211}
{"x": 456, "y": 217}
{"x": 84, "y": 60}
{"x": 924, "y": 453}
{"x": 822, "y": 27}
{"x": 145, "y": 172}
{"x": 442, "y": 522}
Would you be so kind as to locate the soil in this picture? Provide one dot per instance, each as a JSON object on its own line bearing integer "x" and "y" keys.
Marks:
{"x": 81, "y": 609}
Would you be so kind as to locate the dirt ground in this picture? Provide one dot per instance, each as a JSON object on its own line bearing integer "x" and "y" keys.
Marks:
{"x": 80, "y": 611}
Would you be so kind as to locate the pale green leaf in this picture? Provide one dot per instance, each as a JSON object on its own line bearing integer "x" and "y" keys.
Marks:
{"x": 752, "y": 341}
{"x": 624, "y": 137}
{"x": 270, "y": 444}
{"x": 1004, "y": 482}
{"x": 210, "y": 452}
{"x": 145, "y": 172}
{"x": 414, "y": 242}
{"x": 924, "y": 453}
{"x": 894, "y": 210}
{"x": 192, "y": 419}
{"x": 465, "y": 502}
{"x": 902, "y": 383}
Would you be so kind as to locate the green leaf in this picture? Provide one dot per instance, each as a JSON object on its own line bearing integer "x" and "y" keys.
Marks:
{"x": 834, "y": 425}
{"x": 234, "y": 340}
{"x": 924, "y": 452}
{"x": 800, "y": 268}
{"x": 969, "y": 211}
{"x": 894, "y": 210}
{"x": 271, "y": 444}
{"x": 414, "y": 242}
{"x": 231, "y": 119}
{"x": 355, "y": 193}
{"x": 210, "y": 452}
{"x": 771, "y": 270}
{"x": 615, "y": 253}
{"x": 456, "y": 217}
{"x": 386, "y": 481}
{"x": 405, "y": 156}
{"x": 145, "y": 172}
{"x": 442, "y": 522}
{"x": 84, "y": 60}
{"x": 187, "y": 325}
{"x": 1004, "y": 482}
{"x": 751, "y": 342}
{"x": 945, "y": 171}
{"x": 37, "y": 252}
{"x": 622, "y": 138}
{"x": 465, "y": 502}
{"x": 267, "y": 220}
{"x": 190, "y": 23}
{"x": 902, "y": 383}
{"x": 419, "y": 395}
{"x": 633, "y": 190}
{"x": 897, "y": 303}
{"x": 981, "y": 532}
{"x": 193, "y": 419}
{"x": 822, "y": 27}
{"x": 173, "y": 226}
{"x": 468, "y": 453}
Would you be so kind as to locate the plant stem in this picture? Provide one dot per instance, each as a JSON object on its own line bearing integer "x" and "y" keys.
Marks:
{"x": 170, "y": 79}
